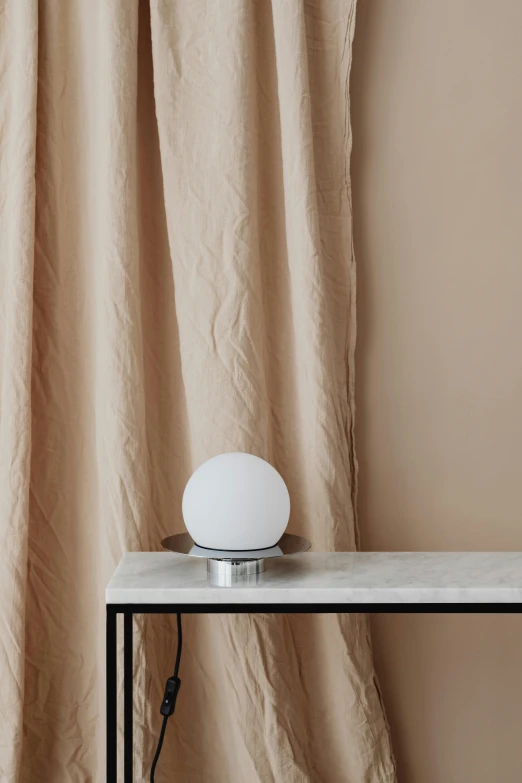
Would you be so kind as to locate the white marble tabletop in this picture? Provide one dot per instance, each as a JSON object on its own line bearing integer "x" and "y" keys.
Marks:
{"x": 327, "y": 578}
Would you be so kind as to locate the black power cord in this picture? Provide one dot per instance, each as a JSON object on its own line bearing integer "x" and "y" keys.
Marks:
{"x": 168, "y": 704}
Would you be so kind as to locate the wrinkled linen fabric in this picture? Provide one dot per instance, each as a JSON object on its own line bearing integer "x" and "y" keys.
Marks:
{"x": 176, "y": 280}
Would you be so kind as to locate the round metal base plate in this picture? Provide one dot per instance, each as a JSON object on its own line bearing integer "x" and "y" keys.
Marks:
{"x": 229, "y": 568}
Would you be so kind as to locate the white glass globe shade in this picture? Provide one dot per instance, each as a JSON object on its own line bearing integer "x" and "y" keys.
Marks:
{"x": 236, "y": 501}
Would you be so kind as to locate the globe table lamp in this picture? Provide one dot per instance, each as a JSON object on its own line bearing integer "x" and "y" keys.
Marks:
{"x": 236, "y": 509}
{"x": 236, "y": 502}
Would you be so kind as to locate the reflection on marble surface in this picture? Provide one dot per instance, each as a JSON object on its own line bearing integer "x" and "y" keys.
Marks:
{"x": 343, "y": 577}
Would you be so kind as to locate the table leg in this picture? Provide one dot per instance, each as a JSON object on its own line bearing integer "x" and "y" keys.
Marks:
{"x": 111, "y": 686}
{"x": 127, "y": 699}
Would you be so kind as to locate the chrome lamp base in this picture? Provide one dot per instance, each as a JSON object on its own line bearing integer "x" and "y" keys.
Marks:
{"x": 226, "y": 568}
{"x": 229, "y": 573}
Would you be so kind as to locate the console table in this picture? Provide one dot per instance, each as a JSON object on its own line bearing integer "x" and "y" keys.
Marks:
{"x": 162, "y": 582}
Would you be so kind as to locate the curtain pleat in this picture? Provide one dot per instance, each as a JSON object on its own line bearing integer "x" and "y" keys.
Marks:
{"x": 188, "y": 288}
{"x": 18, "y": 79}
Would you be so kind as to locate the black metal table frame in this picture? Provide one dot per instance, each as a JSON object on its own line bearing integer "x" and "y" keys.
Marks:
{"x": 129, "y": 610}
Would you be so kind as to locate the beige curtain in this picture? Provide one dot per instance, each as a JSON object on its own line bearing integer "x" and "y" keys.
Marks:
{"x": 177, "y": 280}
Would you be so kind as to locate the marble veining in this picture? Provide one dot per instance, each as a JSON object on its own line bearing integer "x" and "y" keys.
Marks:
{"x": 333, "y": 577}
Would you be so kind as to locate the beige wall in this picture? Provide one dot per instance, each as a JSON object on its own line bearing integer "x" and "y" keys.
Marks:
{"x": 437, "y": 181}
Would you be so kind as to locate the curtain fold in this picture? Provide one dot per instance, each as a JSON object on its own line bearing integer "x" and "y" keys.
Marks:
{"x": 18, "y": 64}
{"x": 187, "y": 288}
